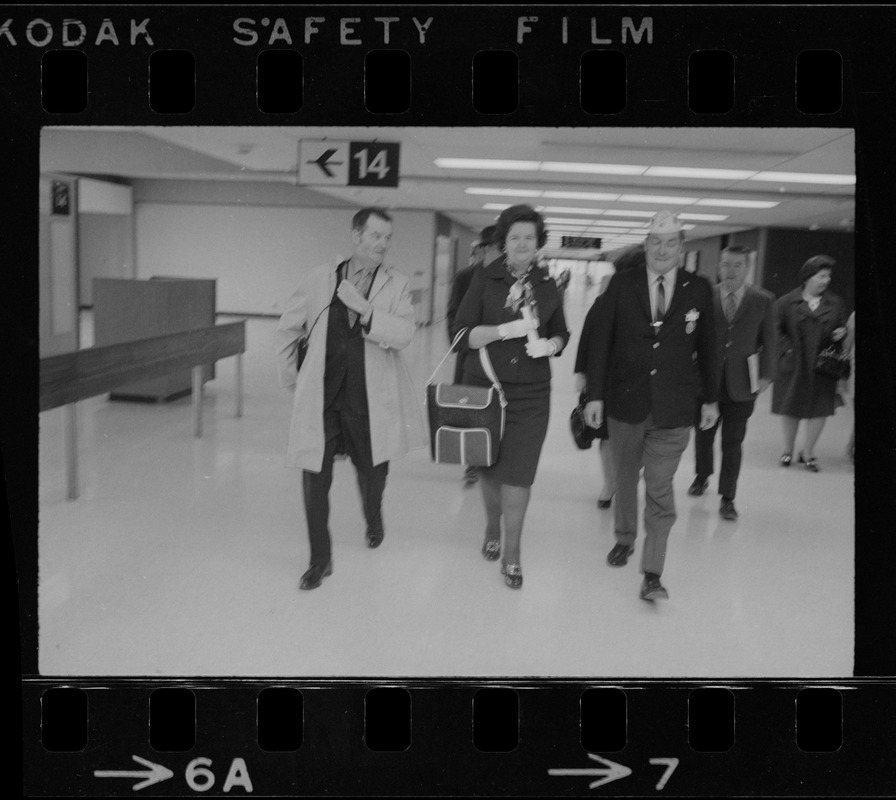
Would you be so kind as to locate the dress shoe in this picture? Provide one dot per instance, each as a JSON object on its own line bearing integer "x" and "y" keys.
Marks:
{"x": 491, "y": 550}
{"x": 374, "y": 538}
{"x": 786, "y": 459}
{"x": 811, "y": 463}
{"x": 618, "y": 556}
{"x": 699, "y": 486}
{"x": 313, "y": 577}
{"x": 652, "y": 589}
{"x": 727, "y": 509}
{"x": 604, "y": 503}
{"x": 513, "y": 575}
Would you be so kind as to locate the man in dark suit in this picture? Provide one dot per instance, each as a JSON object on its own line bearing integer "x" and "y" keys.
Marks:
{"x": 745, "y": 356}
{"x": 652, "y": 353}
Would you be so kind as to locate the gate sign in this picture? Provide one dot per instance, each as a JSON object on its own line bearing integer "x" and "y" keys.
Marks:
{"x": 340, "y": 163}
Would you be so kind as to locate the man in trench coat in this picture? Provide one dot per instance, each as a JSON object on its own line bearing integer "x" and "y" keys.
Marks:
{"x": 353, "y": 393}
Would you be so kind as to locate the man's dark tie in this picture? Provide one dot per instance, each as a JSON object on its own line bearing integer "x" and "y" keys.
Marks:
{"x": 730, "y": 307}
{"x": 362, "y": 282}
{"x": 660, "y": 299}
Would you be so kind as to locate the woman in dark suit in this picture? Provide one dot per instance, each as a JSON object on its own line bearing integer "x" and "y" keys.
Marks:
{"x": 514, "y": 309}
{"x": 810, "y": 318}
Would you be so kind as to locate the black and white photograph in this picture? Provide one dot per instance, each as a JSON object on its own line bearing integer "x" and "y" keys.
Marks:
{"x": 430, "y": 402}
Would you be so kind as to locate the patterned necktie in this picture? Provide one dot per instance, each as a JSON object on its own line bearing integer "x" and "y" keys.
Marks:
{"x": 660, "y": 299}
{"x": 730, "y": 307}
{"x": 362, "y": 283}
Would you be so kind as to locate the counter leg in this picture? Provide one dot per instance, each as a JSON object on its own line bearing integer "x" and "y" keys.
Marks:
{"x": 197, "y": 401}
{"x": 239, "y": 384}
{"x": 71, "y": 449}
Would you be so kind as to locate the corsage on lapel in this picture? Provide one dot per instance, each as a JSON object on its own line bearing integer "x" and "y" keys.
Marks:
{"x": 691, "y": 319}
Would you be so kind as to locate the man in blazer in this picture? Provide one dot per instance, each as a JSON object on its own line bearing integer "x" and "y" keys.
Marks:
{"x": 353, "y": 393}
{"x": 745, "y": 331}
{"x": 652, "y": 353}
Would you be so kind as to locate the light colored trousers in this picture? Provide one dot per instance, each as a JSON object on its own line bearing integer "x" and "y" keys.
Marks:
{"x": 658, "y": 450}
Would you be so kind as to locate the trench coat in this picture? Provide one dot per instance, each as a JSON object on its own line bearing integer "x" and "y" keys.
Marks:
{"x": 799, "y": 391}
{"x": 396, "y": 419}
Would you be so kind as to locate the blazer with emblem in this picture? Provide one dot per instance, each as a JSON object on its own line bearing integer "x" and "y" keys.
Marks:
{"x": 637, "y": 369}
{"x": 753, "y": 330}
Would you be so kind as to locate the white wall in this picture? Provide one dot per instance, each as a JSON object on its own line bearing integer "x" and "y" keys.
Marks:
{"x": 258, "y": 252}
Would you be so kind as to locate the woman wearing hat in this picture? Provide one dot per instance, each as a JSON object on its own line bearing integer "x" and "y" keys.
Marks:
{"x": 810, "y": 318}
{"x": 514, "y": 309}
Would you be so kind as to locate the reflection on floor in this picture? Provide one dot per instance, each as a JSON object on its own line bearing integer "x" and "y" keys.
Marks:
{"x": 182, "y": 555}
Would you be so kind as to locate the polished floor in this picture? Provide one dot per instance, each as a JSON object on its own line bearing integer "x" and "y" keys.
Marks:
{"x": 182, "y": 556}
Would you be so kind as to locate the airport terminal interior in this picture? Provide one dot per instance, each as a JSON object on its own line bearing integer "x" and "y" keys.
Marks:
{"x": 175, "y": 554}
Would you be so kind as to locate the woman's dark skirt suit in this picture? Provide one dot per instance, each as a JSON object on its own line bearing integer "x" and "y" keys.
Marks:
{"x": 526, "y": 381}
{"x": 802, "y": 333}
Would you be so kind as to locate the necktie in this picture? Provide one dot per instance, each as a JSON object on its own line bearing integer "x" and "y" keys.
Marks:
{"x": 660, "y": 299}
{"x": 362, "y": 282}
{"x": 730, "y": 307}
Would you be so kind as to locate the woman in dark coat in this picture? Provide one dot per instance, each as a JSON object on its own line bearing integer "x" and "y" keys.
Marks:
{"x": 514, "y": 309}
{"x": 810, "y": 318}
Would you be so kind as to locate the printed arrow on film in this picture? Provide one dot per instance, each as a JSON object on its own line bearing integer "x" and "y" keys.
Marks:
{"x": 323, "y": 162}
{"x": 610, "y": 772}
{"x": 155, "y": 774}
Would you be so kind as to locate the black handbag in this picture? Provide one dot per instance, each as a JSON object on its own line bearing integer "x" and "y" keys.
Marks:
{"x": 582, "y": 433}
{"x": 833, "y": 363}
{"x": 466, "y": 423}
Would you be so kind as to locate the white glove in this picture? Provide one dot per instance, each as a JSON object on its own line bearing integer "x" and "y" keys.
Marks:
{"x": 517, "y": 328}
{"x": 540, "y": 348}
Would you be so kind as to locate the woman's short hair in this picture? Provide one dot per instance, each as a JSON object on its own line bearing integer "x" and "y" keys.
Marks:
{"x": 814, "y": 265}
{"x": 520, "y": 213}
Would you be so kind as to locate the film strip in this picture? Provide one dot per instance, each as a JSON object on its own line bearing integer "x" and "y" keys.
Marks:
{"x": 457, "y": 66}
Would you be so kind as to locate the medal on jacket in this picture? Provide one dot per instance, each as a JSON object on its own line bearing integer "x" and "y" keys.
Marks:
{"x": 691, "y": 319}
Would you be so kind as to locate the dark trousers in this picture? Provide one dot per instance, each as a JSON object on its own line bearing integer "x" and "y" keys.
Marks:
{"x": 733, "y": 416}
{"x": 658, "y": 451}
{"x": 349, "y": 433}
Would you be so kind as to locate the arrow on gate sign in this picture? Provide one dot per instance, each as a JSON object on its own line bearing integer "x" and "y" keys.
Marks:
{"x": 324, "y": 161}
{"x": 610, "y": 772}
{"x": 155, "y": 774}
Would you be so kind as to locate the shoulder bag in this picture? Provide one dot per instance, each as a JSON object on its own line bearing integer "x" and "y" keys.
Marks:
{"x": 466, "y": 423}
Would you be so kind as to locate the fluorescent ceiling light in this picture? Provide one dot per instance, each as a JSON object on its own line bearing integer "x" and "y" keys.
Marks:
{"x": 804, "y": 177}
{"x": 567, "y": 210}
{"x": 503, "y": 192}
{"x": 571, "y": 221}
{"x": 700, "y": 172}
{"x": 658, "y": 199}
{"x": 607, "y": 223}
{"x": 593, "y": 169}
{"x": 632, "y": 213}
{"x": 495, "y": 206}
{"x": 722, "y": 203}
{"x": 703, "y": 217}
{"x": 599, "y": 196}
{"x": 688, "y": 227}
{"x": 486, "y": 163}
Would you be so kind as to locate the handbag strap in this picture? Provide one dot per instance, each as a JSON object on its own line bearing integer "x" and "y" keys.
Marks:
{"x": 339, "y": 268}
{"x": 483, "y": 359}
